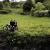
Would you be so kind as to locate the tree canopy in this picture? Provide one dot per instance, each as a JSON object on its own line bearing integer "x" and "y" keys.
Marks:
{"x": 39, "y": 1}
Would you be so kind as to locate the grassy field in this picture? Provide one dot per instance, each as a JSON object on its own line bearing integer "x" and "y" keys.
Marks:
{"x": 27, "y": 24}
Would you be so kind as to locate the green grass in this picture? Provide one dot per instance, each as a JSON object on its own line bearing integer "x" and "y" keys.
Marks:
{"x": 28, "y": 24}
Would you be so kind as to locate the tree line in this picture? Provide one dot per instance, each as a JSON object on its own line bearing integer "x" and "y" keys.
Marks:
{"x": 35, "y": 7}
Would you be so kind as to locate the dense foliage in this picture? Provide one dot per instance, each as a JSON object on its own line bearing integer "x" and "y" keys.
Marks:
{"x": 14, "y": 5}
{"x": 27, "y": 6}
{"x": 47, "y": 4}
{"x": 30, "y": 6}
{"x": 39, "y": 1}
{"x": 1, "y": 5}
{"x": 39, "y": 6}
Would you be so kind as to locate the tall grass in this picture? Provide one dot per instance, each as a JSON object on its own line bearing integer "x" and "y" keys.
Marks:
{"x": 27, "y": 24}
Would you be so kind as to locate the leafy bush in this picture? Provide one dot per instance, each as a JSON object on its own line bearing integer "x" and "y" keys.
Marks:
{"x": 5, "y": 11}
{"x": 47, "y": 4}
{"x": 39, "y": 9}
{"x": 41, "y": 13}
{"x": 39, "y": 6}
{"x": 6, "y": 5}
{"x": 14, "y": 5}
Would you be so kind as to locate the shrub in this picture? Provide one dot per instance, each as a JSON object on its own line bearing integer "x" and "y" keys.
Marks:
{"x": 14, "y": 5}
{"x": 5, "y": 11}
{"x": 38, "y": 11}
{"x": 41, "y": 13}
{"x": 47, "y": 4}
{"x": 6, "y": 5}
{"x": 39, "y": 6}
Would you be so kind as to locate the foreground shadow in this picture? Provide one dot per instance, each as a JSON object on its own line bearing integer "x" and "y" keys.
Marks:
{"x": 29, "y": 43}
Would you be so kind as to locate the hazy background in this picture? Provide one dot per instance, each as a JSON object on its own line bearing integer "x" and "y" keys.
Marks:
{"x": 15, "y": 0}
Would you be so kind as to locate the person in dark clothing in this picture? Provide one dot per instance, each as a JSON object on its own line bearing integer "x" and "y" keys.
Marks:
{"x": 13, "y": 25}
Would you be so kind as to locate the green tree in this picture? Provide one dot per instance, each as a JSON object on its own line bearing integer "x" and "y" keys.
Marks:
{"x": 1, "y": 5}
{"x": 39, "y": 1}
{"x": 6, "y": 4}
{"x": 14, "y": 5}
{"x": 27, "y": 6}
{"x": 39, "y": 6}
{"x": 6, "y": 1}
{"x": 47, "y": 4}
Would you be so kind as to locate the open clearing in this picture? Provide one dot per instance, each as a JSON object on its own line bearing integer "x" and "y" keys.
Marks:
{"x": 28, "y": 24}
